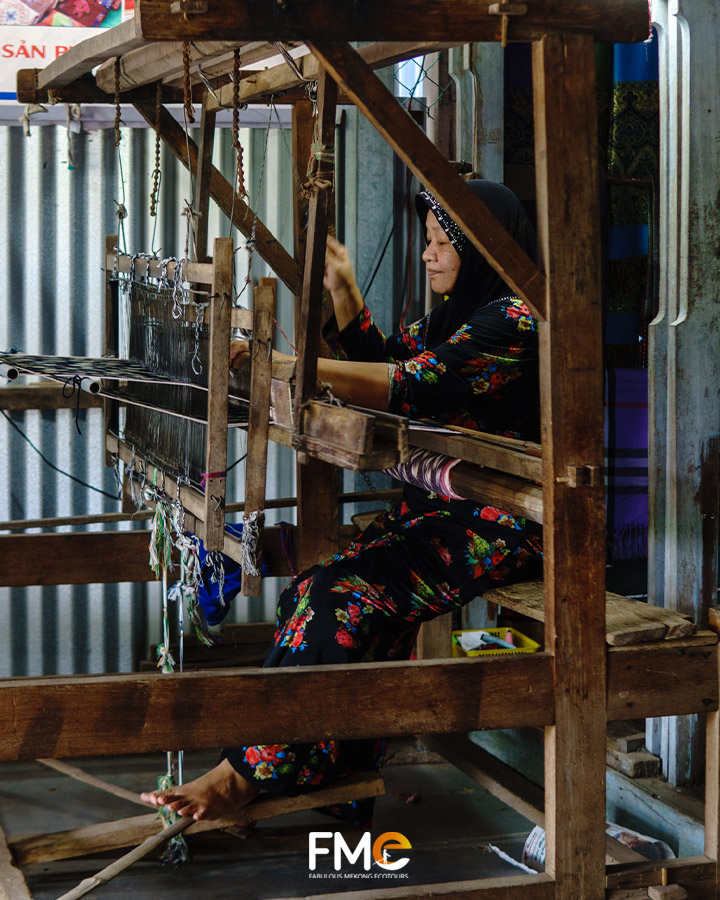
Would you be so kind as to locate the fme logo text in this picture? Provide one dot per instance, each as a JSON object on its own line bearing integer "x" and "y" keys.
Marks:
{"x": 382, "y": 851}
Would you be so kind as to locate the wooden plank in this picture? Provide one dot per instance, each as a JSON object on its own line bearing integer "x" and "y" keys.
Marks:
{"x": 202, "y": 179}
{"x": 84, "y": 90}
{"x": 668, "y": 678}
{"x": 643, "y": 875}
{"x": 481, "y": 450}
{"x": 44, "y": 396}
{"x": 201, "y": 272}
{"x": 12, "y": 881}
{"x": 218, "y": 367}
{"x": 495, "y": 489}
{"x": 572, "y": 435}
{"x": 65, "y": 717}
{"x": 626, "y": 621}
{"x": 448, "y": 20}
{"x": 105, "y": 836}
{"x": 90, "y": 53}
{"x": 408, "y": 140}
{"x": 222, "y": 193}
{"x": 160, "y": 61}
{"x": 110, "y": 715}
{"x": 259, "y": 424}
{"x": 278, "y": 80}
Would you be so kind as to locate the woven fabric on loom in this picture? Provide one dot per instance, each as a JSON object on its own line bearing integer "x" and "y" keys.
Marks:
{"x": 168, "y": 345}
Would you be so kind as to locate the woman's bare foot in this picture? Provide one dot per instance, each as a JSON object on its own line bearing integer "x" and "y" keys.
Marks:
{"x": 219, "y": 793}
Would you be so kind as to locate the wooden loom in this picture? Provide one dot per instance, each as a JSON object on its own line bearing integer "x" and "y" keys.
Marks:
{"x": 580, "y": 681}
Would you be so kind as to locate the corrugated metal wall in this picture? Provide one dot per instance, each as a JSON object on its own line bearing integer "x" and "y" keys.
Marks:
{"x": 57, "y": 201}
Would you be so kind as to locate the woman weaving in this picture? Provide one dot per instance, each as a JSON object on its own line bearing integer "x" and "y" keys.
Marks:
{"x": 473, "y": 362}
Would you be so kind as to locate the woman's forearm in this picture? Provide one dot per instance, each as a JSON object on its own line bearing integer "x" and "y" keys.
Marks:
{"x": 359, "y": 383}
{"x": 347, "y": 303}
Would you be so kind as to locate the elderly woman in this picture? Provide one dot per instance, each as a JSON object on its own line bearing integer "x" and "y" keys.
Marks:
{"x": 472, "y": 361}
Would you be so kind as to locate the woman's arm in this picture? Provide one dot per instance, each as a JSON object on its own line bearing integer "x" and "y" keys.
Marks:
{"x": 339, "y": 280}
{"x": 359, "y": 383}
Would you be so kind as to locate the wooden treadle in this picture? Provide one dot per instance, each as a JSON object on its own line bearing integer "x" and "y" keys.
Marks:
{"x": 628, "y": 621}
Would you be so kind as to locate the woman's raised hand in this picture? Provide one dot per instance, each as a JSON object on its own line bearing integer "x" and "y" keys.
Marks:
{"x": 339, "y": 272}
{"x": 340, "y": 281}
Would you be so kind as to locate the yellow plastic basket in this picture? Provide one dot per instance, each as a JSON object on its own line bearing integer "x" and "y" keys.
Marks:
{"x": 523, "y": 644}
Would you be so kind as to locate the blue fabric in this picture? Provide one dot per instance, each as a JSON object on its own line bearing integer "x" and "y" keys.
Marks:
{"x": 213, "y": 606}
{"x": 627, "y": 240}
{"x": 636, "y": 62}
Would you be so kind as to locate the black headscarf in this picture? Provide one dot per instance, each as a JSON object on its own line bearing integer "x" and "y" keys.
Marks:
{"x": 477, "y": 283}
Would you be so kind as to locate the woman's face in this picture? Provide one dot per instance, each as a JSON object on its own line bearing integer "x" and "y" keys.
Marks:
{"x": 441, "y": 259}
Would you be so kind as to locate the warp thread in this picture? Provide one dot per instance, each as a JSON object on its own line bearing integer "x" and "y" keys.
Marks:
{"x": 428, "y": 471}
{"x": 252, "y": 529}
{"x": 161, "y": 542}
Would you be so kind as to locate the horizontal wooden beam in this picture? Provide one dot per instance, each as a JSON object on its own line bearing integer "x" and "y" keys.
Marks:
{"x": 222, "y": 192}
{"x": 110, "y": 715}
{"x": 416, "y": 150}
{"x": 97, "y": 557}
{"x": 45, "y": 396}
{"x": 389, "y": 20}
{"x": 85, "y": 90}
{"x": 65, "y": 717}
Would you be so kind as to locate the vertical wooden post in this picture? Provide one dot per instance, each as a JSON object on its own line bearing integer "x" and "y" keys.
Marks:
{"x": 218, "y": 365}
{"x": 317, "y": 481}
{"x": 572, "y": 439}
{"x": 202, "y": 180}
{"x": 112, "y": 328}
{"x": 259, "y": 424}
{"x": 320, "y": 211}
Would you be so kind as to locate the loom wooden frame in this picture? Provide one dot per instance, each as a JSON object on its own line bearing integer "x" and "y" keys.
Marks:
{"x": 577, "y": 683}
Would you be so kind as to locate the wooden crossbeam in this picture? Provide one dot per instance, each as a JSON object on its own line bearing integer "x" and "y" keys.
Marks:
{"x": 45, "y": 396}
{"x": 388, "y": 20}
{"x": 416, "y": 150}
{"x": 98, "y": 557}
{"x": 68, "y": 717}
{"x": 65, "y": 717}
{"x": 222, "y": 192}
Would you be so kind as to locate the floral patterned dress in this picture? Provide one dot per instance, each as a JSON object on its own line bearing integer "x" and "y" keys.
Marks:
{"x": 427, "y": 556}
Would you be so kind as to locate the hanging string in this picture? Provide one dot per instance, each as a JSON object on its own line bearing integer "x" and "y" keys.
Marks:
{"x": 155, "y": 193}
{"x": 240, "y": 177}
{"x": 320, "y": 175}
{"x": 187, "y": 94}
{"x": 252, "y": 527}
